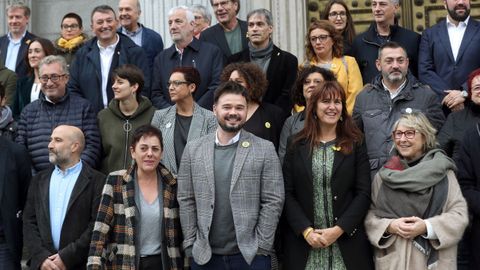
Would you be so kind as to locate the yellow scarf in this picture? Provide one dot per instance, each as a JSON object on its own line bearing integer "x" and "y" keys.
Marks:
{"x": 70, "y": 44}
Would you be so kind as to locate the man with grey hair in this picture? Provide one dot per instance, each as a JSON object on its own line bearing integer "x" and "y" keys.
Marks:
{"x": 203, "y": 19}
{"x": 279, "y": 66}
{"x": 62, "y": 205}
{"x": 229, "y": 34}
{"x": 186, "y": 51}
{"x": 13, "y": 45}
{"x": 129, "y": 13}
{"x": 94, "y": 62}
{"x": 384, "y": 28}
{"x": 54, "y": 107}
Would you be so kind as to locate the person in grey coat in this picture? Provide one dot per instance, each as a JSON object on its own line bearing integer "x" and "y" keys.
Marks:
{"x": 184, "y": 121}
{"x": 308, "y": 80}
{"x": 392, "y": 93}
{"x": 230, "y": 191}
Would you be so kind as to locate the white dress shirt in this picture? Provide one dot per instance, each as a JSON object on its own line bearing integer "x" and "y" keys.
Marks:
{"x": 455, "y": 34}
{"x": 106, "y": 56}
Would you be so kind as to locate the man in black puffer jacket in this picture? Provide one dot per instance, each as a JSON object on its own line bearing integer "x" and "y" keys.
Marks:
{"x": 56, "y": 107}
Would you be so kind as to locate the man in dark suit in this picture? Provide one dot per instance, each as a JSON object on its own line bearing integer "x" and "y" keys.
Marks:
{"x": 230, "y": 33}
{"x": 151, "y": 42}
{"x": 13, "y": 45}
{"x": 62, "y": 205}
{"x": 448, "y": 52}
{"x": 385, "y": 28}
{"x": 186, "y": 51}
{"x": 14, "y": 178}
{"x": 90, "y": 72}
{"x": 279, "y": 66}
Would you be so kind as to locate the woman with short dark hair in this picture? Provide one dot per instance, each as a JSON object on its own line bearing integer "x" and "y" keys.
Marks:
{"x": 138, "y": 224}
{"x": 127, "y": 111}
{"x": 185, "y": 120}
{"x": 71, "y": 36}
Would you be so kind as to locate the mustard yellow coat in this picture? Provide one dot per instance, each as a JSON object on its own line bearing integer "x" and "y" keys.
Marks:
{"x": 350, "y": 80}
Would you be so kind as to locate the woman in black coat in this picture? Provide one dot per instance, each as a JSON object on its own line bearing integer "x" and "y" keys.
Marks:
{"x": 327, "y": 188}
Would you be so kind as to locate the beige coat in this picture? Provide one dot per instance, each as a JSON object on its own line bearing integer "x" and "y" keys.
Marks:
{"x": 397, "y": 253}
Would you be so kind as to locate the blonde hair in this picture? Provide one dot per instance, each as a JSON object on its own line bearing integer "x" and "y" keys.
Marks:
{"x": 419, "y": 122}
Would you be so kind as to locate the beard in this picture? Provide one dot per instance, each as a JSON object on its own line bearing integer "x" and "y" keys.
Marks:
{"x": 398, "y": 76}
{"x": 57, "y": 159}
{"x": 231, "y": 128}
{"x": 458, "y": 17}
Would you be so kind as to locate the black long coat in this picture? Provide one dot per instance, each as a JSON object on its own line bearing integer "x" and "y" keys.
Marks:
{"x": 350, "y": 185}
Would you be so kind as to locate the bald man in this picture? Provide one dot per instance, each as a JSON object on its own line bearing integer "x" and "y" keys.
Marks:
{"x": 62, "y": 205}
{"x": 129, "y": 14}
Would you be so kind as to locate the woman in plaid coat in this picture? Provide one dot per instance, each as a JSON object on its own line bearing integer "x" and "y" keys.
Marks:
{"x": 137, "y": 225}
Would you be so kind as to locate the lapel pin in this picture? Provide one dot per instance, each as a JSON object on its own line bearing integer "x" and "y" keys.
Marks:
{"x": 336, "y": 148}
{"x": 168, "y": 125}
{"x": 245, "y": 144}
{"x": 268, "y": 125}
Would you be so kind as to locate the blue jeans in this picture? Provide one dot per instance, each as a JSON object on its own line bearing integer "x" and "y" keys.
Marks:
{"x": 234, "y": 262}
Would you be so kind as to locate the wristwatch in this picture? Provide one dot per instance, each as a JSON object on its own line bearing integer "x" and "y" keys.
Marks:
{"x": 464, "y": 94}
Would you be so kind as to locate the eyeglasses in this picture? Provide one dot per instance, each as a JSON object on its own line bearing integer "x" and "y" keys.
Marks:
{"x": 335, "y": 14}
{"x": 220, "y": 4}
{"x": 176, "y": 83}
{"x": 409, "y": 134}
{"x": 53, "y": 78}
{"x": 321, "y": 38}
{"x": 70, "y": 26}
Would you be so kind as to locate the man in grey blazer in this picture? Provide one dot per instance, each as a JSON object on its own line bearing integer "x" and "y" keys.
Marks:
{"x": 230, "y": 191}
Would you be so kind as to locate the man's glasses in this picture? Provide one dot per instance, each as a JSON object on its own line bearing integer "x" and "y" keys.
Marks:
{"x": 409, "y": 134}
{"x": 176, "y": 83}
{"x": 53, "y": 78}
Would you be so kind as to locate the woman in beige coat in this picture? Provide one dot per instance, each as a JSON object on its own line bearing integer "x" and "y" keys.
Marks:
{"x": 418, "y": 213}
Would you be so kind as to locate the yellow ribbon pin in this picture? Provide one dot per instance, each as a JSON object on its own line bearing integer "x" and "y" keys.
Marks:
{"x": 268, "y": 125}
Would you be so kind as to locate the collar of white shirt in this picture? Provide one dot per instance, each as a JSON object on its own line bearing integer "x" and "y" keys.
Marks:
{"x": 235, "y": 139}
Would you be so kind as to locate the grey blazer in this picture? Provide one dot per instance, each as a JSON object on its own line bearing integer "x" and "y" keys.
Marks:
{"x": 203, "y": 123}
{"x": 256, "y": 195}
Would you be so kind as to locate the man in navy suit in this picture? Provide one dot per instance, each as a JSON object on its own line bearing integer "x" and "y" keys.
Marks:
{"x": 448, "y": 52}
{"x": 129, "y": 13}
{"x": 13, "y": 45}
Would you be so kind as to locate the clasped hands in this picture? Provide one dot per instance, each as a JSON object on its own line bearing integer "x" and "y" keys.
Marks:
{"x": 454, "y": 100}
{"x": 53, "y": 262}
{"x": 407, "y": 227}
{"x": 322, "y": 238}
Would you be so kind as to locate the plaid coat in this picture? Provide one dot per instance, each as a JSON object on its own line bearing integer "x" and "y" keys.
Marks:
{"x": 113, "y": 239}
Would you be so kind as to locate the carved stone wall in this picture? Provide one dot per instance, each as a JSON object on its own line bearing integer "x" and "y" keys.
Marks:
{"x": 416, "y": 15}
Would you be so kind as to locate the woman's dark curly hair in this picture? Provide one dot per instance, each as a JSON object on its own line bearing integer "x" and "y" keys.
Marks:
{"x": 297, "y": 93}
{"x": 254, "y": 76}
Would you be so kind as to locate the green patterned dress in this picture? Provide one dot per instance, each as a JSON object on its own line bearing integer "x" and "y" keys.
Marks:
{"x": 328, "y": 258}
